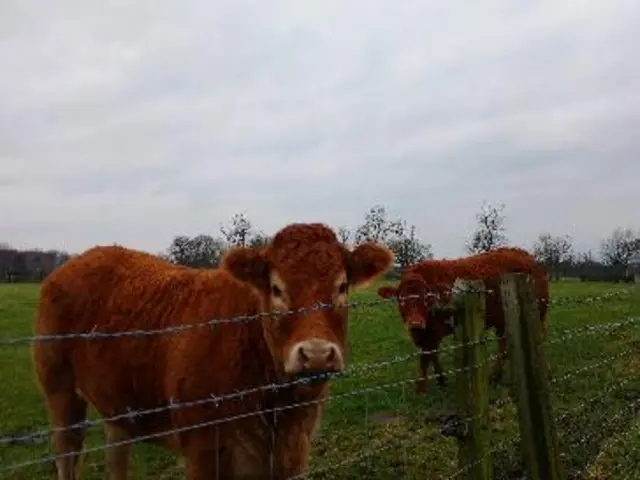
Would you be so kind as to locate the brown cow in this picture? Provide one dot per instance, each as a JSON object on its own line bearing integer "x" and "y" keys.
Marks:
{"x": 424, "y": 282}
{"x": 113, "y": 289}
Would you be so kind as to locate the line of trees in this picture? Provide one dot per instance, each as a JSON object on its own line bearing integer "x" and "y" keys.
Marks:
{"x": 555, "y": 251}
{"x": 28, "y": 265}
{"x": 206, "y": 250}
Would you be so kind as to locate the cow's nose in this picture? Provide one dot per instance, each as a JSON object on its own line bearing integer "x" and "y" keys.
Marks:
{"x": 315, "y": 356}
{"x": 415, "y": 321}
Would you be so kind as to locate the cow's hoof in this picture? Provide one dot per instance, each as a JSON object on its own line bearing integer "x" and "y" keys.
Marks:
{"x": 442, "y": 381}
{"x": 421, "y": 387}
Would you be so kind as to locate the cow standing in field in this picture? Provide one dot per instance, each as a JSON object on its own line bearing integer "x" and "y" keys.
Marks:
{"x": 113, "y": 289}
{"x": 424, "y": 282}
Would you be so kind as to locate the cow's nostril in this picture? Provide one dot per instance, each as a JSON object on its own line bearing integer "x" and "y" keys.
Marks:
{"x": 315, "y": 357}
{"x": 331, "y": 355}
{"x": 303, "y": 356}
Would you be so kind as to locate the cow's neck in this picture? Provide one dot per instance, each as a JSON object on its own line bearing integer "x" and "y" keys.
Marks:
{"x": 286, "y": 392}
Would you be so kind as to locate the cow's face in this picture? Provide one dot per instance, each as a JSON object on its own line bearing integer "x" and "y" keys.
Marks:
{"x": 412, "y": 297}
{"x": 303, "y": 267}
{"x": 418, "y": 303}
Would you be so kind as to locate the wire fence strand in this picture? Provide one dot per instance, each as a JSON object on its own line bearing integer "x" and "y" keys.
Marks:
{"x": 359, "y": 372}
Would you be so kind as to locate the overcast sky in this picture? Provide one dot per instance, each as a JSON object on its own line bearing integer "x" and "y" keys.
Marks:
{"x": 132, "y": 121}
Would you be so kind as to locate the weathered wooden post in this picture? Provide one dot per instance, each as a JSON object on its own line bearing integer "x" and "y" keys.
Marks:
{"x": 472, "y": 382}
{"x": 530, "y": 381}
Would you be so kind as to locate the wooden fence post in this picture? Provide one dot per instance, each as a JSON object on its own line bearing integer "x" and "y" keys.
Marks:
{"x": 472, "y": 381}
{"x": 530, "y": 380}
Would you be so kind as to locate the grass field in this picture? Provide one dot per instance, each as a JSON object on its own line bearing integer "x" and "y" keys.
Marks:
{"x": 596, "y": 423}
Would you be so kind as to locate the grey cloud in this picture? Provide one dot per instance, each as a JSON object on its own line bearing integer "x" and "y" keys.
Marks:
{"x": 133, "y": 122}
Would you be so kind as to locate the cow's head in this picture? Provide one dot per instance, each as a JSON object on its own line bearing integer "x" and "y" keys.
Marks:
{"x": 419, "y": 303}
{"x": 305, "y": 266}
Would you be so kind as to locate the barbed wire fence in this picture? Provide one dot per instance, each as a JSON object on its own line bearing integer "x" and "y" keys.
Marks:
{"x": 376, "y": 427}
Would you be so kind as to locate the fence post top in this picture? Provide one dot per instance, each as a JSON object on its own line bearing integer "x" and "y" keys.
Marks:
{"x": 516, "y": 275}
{"x": 463, "y": 285}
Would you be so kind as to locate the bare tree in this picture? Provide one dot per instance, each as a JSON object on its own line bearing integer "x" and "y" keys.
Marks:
{"x": 490, "y": 232}
{"x": 377, "y": 227}
{"x": 61, "y": 257}
{"x": 259, "y": 240}
{"x": 400, "y": 237}
{"x": 164, "y": 256}
{"x": 552, "y": 251}
{"x": 207, "y": 250}
{"x": 239, "y": 231}
{"x": 619, "y": 246}
{"x": 584, "y": 258}
{"x": 180, "y": 250}
{"x": 201, "y": 251}
{"x": 344, "y": 234}
{"x": 408, "y": 248}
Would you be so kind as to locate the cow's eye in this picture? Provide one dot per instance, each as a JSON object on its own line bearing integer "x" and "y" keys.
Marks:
{"x": 275, "y": 291}
{"x": 343, "y": 288}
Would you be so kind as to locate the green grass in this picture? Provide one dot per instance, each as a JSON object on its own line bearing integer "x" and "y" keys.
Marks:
{"x": 595, "y": 424}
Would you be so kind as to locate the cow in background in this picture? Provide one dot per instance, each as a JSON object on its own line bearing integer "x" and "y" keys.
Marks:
{"x": 111, "y": 289}
{"x": 429, "y": 283}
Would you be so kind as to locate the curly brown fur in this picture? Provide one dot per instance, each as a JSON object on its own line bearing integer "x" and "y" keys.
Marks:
{"x": 114, "y": 289}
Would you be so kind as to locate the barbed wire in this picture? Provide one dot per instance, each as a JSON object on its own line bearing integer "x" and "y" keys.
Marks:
{"x": 593, "y": 366}
{"x": 499, "y": 403}
{"x": 359, "y": 456}
{"x": 210, "y": 423}
{"x": 607, "y": 444}
{"x": 355, "y": 371}
{"x": 469, "y": 466}
{"x": 212, "y": 323}
{"x": 241, "y": 416}
{"x": 628, "y": 408}
{"x": 362, "y": 454}
{"x": 591, "y": 329}
{"x": 613, "y": 294}
{"x": 608, "y": 390}
{"x": 508, "y": 400}
{"x": 351, "y": 372}
{"x": 555, "y": 300}
{"x": 358, "y": 370}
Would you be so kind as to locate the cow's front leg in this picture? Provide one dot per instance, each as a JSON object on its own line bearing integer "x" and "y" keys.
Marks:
{"x": 437, "y": 367}
{"x": 208, "y": 463}
{"x": 422, "y": 383}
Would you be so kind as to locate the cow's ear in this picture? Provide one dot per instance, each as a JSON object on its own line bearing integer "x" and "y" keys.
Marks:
{"x": 367, "y": 262}
{"x": 387, "y": 292}
{"x": 248, "y": 265}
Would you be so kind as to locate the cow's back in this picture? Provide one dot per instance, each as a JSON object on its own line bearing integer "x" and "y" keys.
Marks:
{"x": 488, "y": 267}
{"x": 113, "y": 290}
